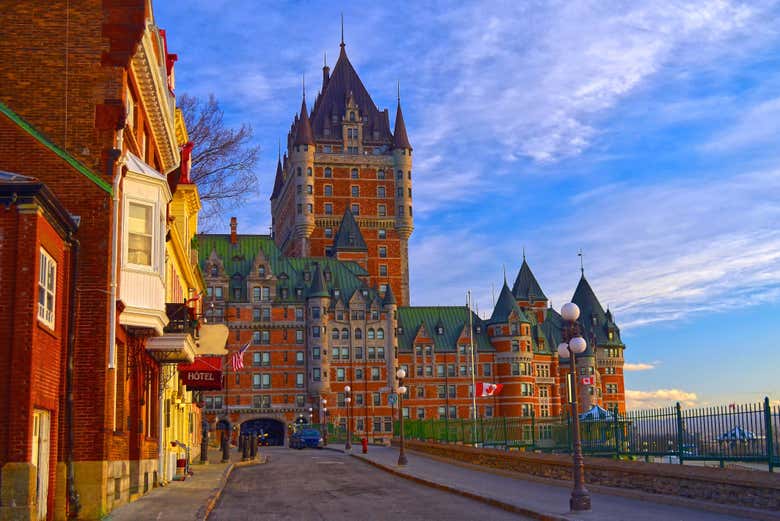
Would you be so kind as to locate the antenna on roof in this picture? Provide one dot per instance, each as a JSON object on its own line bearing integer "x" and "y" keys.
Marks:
{"x": 342, "y": 30}
{"x": 582, "y": 265}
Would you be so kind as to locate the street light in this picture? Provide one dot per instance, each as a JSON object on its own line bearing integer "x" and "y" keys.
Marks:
{"x": 572, "y": 345}
{"x": 323, "y": 420}
{"x": 348, "y": 401}
{"x": 400, "y": 375}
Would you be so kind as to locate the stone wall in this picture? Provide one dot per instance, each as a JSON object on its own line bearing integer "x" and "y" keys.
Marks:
{"x": 755, "y": 489}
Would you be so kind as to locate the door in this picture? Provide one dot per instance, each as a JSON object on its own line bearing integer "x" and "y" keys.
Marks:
{"x": 40, "y": 458}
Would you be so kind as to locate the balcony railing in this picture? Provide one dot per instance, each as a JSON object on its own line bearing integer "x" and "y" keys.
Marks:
{"x": 180, "y": 319}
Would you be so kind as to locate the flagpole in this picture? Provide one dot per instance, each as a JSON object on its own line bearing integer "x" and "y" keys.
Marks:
{"x": 473, "y": 369}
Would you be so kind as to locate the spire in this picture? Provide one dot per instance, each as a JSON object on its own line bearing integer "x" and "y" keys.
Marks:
{"x": 279, "y": 179}
{"x": 303, "y": 133}
{"x": 582, "y": 265}
{"x": 400, "y": 139}
{"x": 389, "y": 298}
{"x": 526, "y": 285}
{"x": 318, "y": 285}
{"x": 349, "y": 237}
{"x": 342, "y": 32}
{"x": 504, "y": 307}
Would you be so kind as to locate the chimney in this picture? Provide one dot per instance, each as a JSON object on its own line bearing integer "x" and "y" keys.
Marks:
{"x": 233, "y": 226}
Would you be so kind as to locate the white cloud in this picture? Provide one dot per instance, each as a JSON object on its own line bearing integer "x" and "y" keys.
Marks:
{"x": 756, "y": 126}
{"x": 639, "y": 366}
{"x": 659, "y": 398}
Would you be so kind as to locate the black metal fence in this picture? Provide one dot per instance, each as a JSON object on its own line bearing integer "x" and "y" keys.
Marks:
{"x": 745, "y": 433}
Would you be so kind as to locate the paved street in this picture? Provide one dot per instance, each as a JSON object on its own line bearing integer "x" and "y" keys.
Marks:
{"x": 326, "y": 485}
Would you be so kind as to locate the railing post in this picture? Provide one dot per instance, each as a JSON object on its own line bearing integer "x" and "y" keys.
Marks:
{"x": 533, "y": 428}
{"x": 769, "y": 435}
{"x": 678, "y": 410}
{"x": 506, "y": 435}
{"x": 617, "y": 431}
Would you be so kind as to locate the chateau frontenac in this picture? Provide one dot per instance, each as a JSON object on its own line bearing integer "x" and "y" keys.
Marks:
{"x": 323, "y": 302}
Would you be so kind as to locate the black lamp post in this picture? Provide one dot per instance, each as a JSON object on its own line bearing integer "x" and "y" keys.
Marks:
{"x": 572, "y": 345}
{"x": 348, "y": 401}
{"x": 400, "y": 375}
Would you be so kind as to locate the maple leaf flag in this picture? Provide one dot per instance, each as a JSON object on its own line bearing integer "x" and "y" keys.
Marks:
{"x": 588, "y": 380}
{"x": 488, "y": 389}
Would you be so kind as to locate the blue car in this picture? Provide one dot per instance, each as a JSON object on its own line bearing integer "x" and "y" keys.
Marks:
{"x": 304, "y": 438}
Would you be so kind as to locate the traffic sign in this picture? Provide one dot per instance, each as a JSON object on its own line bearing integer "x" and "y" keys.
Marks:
{"x": 392, "y": 398}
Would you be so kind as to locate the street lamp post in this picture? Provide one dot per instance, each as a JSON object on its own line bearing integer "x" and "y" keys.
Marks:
{"x": 400, "y": 375}
{"x": 323, "y": 420}
{"x": 572, "y": 345}
{"x": 348, "y": 401}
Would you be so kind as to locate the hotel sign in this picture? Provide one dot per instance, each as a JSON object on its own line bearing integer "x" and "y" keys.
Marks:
{"x": 204, "y": 374}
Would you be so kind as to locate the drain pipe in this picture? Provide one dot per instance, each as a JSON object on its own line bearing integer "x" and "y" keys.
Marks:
{"x": 117, "y": 164}
{"x": 74, "y": 504}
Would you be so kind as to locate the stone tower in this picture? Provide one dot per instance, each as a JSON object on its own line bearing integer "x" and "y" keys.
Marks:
{"x": 344, "y": 160}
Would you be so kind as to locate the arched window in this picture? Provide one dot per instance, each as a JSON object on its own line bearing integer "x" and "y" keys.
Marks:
{"x": 335, "y": 334}
{"x": 344, "y": 334}
{"x": 380, "y": 174}
{"x": 352, "y": 116}
{"x": 358, "y": 333}
{"x": 380, "y": 333}
{"x": 371, "y": 334}
{"x": 308, "y": 171}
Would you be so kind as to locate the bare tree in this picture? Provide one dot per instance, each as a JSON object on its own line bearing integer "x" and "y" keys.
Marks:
{"x": 223, "y": 158}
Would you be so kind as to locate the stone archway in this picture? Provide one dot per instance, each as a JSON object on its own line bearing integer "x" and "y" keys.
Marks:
{"x": 273, "y": 429}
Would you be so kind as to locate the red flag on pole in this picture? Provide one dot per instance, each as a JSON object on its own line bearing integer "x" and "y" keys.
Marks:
{"x": 488, "y": 389}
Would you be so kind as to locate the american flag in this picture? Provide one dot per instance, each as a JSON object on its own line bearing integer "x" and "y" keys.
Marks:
{"x": 237, "y": 359}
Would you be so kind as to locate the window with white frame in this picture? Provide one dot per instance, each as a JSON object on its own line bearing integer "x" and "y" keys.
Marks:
{"x": 47, "y": 288}
{"x": 139, "y": 234}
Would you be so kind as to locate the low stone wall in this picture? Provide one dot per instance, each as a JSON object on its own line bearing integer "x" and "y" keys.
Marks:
{"x": 755, "y": 489}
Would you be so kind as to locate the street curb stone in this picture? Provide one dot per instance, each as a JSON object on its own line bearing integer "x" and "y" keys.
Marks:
{"x": 541, "y": 516}
{"x": 211, "y": 502}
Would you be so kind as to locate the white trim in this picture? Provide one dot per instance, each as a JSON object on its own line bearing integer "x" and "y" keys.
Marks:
{"x": 45, "y": 262}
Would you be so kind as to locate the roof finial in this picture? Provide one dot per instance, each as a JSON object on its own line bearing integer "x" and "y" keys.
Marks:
{"x": 325, "y": 59}
{"x": 399, "y": 92}
{"x": 279, "y": 155}
{"x": 504, "y": 266}
{"x": 582, "y": 265}
{"x": 523, "y": 253}
{"x": 342, "y": 30}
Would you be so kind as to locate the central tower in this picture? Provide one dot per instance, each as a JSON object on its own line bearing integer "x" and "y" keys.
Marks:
{"x": 344, "y": 187}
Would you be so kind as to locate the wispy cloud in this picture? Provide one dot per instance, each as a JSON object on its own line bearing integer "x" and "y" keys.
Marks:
{"x": 639, "y": 366}
{"x": 659, "y": 398}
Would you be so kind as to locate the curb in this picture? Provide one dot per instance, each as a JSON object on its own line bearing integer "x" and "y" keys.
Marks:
{"x": 541, "y": 516}
{"x": 211, "y": 502}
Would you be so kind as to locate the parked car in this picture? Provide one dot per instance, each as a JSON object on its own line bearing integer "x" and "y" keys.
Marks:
{"x": 311, "y": 438}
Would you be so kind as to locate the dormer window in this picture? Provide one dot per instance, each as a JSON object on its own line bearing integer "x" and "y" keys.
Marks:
{"x": 214, "y": 271}
{"x": 307, "y": 276}
{"x": 298, "y": 292}
{"x": 352, "y": 115}
{"x": 400, "y": 330}
{"x": 261, "y": 271}
{"x": 439, "y": 330}
{"x": 365, "y": 292}
{"x": 479, "y": 329}
{"x": 336, "y": 293}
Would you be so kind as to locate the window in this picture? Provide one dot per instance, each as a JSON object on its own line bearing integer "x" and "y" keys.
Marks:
{"x": 265, "y": 337}
{"x": 328, "y": 172}
{"x": 544, "y": 411}
{"x": 315, "y": 331}
{"x": 328, "y": 189}
{"x": 298, "y": 313}
{"x": 358, "y": 353}
{"x": 345, "y": 334}
{"x": 515, "y": 369}
{"x": 139, "y": 234}
{"x": 525, "y": 369}
{"x": 256, "y": 360}
{"x": 489, "y": 411}
{"x": 609, "y": 370}
{"x": 355, "y": 209}
{"x": 376, "y": 398}
{"x": 515, "y": 344}
{"x": 47, "y": 288}
{"x": 544, "y": 391}
{"x": 308, "y": 172}
{"x": 441, "y": 391}
{"x": 328, "y": 209}
{"x": 463, "y": 371}
{"x": 255, "y": 337}
{"x": 299, "y": 355}
{"x": 382, "y": 233}
{"x": 334, "y": 334}
{"x": 400, "y": 210}
{"x": 383, "y": 252}
{"x": 358, "y": 373}
{"x": 354, "y": 173}
{"x": 382, "y": 210}
{"x": 358, "y": 333}
{"x": 255, "y": 381}
{"x": 527, "y": 410}
{"x": 526, "y": 389}
{"x": 375, "y": 374}
{"x": 340, "y": 374}
{"x": 261, "y": 271}
{"x": 450, "y": 370}
{"x": 486, "y": 369}
{"x": 389, "y": 423}
{"x": 370, "y": 334}
{"x": 355, "y": 191}
{"x": 316, "y": 374}
{"x": 309, "y": 208}
{"x": 266, "y": 380}
{"x": 383, "y": 270}
{"x": 266, "y": 293}
{"x": 380, "y": 192}
{"x": 440, "y": 370}
{"x": 299, "y": 336}
{"x": 428, "y": 370}
{"x": 256, "y": 314}
{"x": 612, "y": 388}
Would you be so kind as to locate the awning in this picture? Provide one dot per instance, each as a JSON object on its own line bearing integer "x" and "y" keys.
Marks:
{"x": 204, "y": 374}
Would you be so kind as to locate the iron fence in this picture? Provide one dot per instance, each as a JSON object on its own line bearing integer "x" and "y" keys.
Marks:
{"x": 744, "y": 433}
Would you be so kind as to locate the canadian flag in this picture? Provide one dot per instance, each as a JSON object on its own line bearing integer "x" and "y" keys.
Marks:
{"x": 588, "y": 380}
{"x": 488, "y": 389}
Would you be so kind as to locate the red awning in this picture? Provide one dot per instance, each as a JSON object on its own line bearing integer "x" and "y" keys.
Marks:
{"x": 204, "y": 374}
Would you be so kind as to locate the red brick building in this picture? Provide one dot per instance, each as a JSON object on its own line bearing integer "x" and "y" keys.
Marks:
{"x": 36, "y": 257}
{"x": 87, "y": 107}
{"x": 324, "y": 301}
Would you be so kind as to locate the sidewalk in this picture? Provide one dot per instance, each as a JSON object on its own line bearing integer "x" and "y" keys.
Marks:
{"x": 548, "y": 499}
{"x": 187, "y": 500}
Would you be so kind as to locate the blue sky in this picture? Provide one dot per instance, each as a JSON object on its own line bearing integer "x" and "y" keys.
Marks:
{"x": 644, "y": 133}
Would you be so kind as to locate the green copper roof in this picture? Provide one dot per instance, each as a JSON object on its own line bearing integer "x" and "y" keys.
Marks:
{"x": 453, "y": 321}
{"x": 389, "y": 297}
{"x": 505, "y": 306}
{"x": 526, "y": 287}
{"x": 318, "y": 285}
{"x": 72, "y": 161}
{"x": 349, "y": 237}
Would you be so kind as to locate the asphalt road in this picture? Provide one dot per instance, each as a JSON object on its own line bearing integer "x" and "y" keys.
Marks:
{"x": 326, "y": 485}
